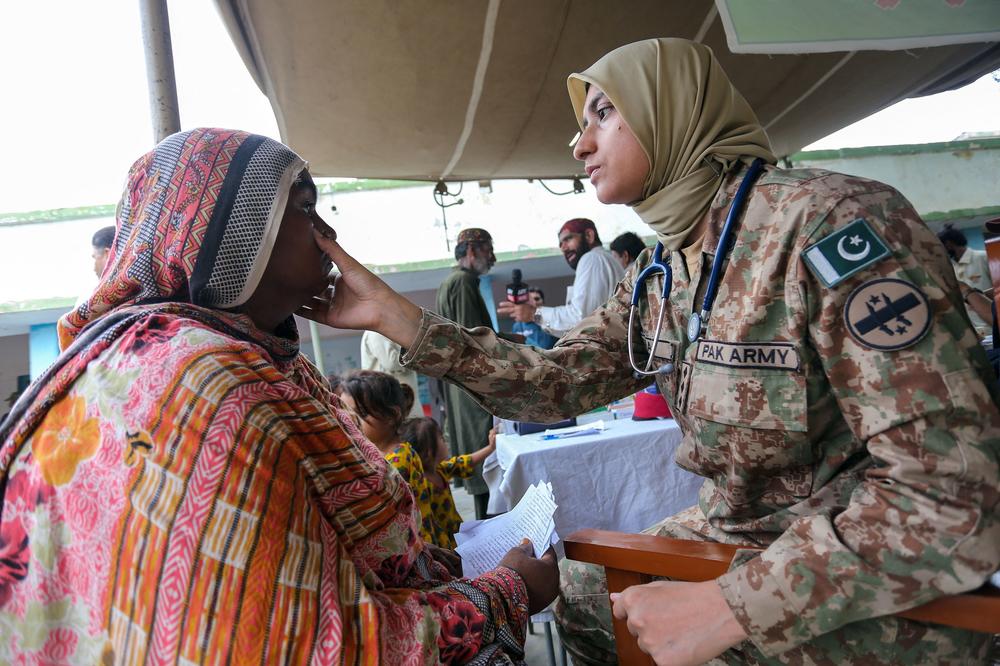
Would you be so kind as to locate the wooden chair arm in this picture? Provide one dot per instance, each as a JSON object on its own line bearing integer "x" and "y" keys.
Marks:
{"x": 679, "y": 559}
{"x": 993, "y": 261}
{"x": 633, "y": 559}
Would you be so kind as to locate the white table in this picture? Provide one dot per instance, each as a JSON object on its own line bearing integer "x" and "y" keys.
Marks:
{"x": 623, "y": 479}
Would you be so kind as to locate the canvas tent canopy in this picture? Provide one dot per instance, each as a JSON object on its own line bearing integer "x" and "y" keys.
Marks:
{"x": 475, "y": 89}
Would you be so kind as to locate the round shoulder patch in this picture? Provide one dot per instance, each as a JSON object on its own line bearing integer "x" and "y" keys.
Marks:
{"x": 887, "y": 314}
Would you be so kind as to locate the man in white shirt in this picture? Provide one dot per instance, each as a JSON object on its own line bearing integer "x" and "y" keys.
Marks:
{"x": 382, "y": 354}
{"x": 100, "y": 248}
{"x": 597, "y": 274}
{"x": 972, "y": 270}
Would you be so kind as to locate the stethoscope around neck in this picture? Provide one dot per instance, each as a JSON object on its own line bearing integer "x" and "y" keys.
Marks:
{"x": 699, "y": 320}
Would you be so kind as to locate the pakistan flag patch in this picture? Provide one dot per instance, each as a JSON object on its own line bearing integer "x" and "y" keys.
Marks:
{"x": 845, "y": 252}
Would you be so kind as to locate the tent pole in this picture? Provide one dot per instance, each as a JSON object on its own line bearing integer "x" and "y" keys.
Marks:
{"x": 159, "y": 68}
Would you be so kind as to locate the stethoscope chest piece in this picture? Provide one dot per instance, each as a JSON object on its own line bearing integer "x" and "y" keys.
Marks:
{"x": 698, "y": 320}
{"x": 694, "y": 327}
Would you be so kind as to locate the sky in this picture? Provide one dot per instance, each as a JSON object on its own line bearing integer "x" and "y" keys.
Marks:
{"x": 76, "y": 103}
{"x": 75, "y": 111}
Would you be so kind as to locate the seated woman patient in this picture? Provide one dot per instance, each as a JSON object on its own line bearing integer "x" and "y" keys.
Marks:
{"x": 181, "y": 484}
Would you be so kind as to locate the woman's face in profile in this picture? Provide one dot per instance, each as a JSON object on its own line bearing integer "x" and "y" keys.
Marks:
{"x": 298, "y": 269}
{"x": 614, "y": 160}
{"x": 297, "y": 266}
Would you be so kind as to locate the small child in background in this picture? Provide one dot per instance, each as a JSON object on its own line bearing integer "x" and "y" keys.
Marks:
{"x": 335, "y": 382}
{"x": 382, "y": 403}
{"x": 427, "y": 441}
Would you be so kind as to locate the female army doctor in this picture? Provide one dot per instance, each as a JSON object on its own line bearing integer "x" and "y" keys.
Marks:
{"x": 827, "y": 381}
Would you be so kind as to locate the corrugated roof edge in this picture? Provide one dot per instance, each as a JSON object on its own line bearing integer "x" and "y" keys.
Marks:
{"x": 432, "y": 264}
{"x": 45, "y": 216}
{"x": 38, "y": 304}
{"x": 902, "y": 149}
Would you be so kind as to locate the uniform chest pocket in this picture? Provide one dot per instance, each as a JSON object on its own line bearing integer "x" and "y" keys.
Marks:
{"x": 767, "y": 399}
{"x": 752, "y": 433}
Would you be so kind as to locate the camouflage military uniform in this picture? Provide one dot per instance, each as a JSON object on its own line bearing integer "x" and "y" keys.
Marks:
{"x": 849, "y": 429}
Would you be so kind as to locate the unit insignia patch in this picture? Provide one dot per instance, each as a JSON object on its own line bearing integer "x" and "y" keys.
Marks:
{"x": 887, "y": 314}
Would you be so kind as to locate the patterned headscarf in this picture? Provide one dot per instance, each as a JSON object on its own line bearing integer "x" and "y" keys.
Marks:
{"x": 693, "y": 125}
{"x": 196, "y": 224}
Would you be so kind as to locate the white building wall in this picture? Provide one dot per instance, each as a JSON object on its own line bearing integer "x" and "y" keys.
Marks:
{"x": 934, "y": 182}
{"x": 13, "y": 363}
{"x": 381, "y": 227}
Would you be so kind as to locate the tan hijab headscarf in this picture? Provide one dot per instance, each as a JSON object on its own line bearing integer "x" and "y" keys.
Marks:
{"x": 686, "y": 114}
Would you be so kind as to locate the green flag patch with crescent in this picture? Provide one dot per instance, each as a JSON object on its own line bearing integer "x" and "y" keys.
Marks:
{"x": 845, "y": 252}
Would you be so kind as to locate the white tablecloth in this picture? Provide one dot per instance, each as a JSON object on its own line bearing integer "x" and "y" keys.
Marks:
{"x": 623, "y": 479}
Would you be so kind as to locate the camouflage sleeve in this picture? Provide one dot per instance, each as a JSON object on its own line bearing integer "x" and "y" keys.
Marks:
{"x": 587, "y": 368}
{"x": 922, "y": 521}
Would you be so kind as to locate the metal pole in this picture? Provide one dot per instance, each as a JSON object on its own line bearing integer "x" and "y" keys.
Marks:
{"x": 163, "y": 107}
{"x": 317, "y": 348}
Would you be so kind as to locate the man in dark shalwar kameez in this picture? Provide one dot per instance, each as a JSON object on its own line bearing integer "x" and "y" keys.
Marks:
{"x": 459, "y": 299}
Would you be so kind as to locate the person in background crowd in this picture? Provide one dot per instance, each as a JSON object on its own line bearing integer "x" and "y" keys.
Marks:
{"x": 433, "y": 471}
{"x": 100, "y": 248}
{"x": 381, "y": 403}
{"x": 335, "y": 381}
{"x": 11, "y": 399}
{"x": 381, "y": 354}
{"x": 597, "y": 273}
{"x": 533, "y": 333}
{"x": 832, "y": 393}
{"x": 459, "y": 299}
{"x": 181, "y": 486}
{"x": 973, "y": 272}
{"x": 626, "y": 248}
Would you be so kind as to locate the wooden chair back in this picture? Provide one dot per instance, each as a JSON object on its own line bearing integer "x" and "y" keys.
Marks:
{"x": 993, "y": 258}
{"x": 633, "y": 559}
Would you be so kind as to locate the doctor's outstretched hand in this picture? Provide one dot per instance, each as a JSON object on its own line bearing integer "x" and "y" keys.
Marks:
{"x": 678, "y": 623}
{"x": 360, "y": 300}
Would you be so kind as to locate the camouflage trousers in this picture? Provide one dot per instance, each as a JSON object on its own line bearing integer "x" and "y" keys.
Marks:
{"x": 583, "y": 613}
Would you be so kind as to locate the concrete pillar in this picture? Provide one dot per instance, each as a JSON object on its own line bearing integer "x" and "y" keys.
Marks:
{"x": 317, "y": 346}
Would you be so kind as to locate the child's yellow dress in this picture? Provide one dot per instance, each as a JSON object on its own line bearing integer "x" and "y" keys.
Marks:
{"x": 439, "y": 517}
{"x": 443, "y": 504}
{"x": 407, "y": 462}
